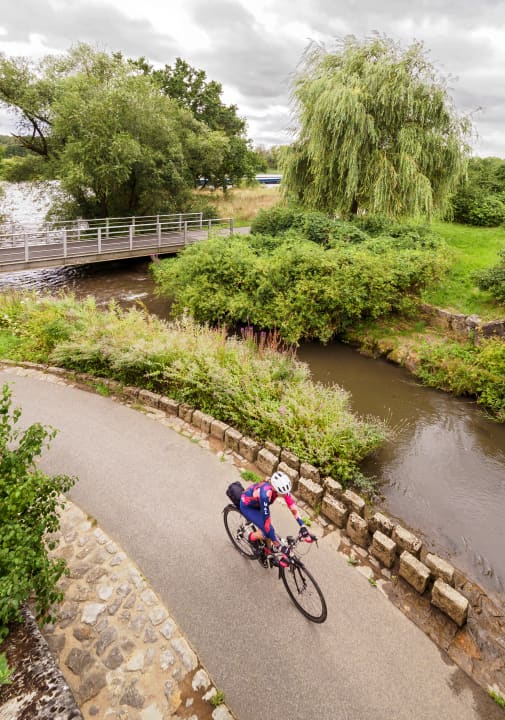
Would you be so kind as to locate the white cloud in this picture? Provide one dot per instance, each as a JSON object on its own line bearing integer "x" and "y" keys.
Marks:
{"x": 253, "y": 49}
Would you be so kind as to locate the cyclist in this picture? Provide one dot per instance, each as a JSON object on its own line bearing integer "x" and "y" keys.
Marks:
{"x": 255, "y": 506}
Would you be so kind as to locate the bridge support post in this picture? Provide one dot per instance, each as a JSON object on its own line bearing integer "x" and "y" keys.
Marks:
{"x": 185, "y": 232}
{"x": 27, "y": 255}
{"x": 99, "y": 240}
{"x": 158, "y": 230}
{"x": 131, "y": 237}
{"x": 65, "y": 251}
{"x": 209, "y": 227}
{"x": 231, "y": 226}
{"x": 107, "y": 228}
{"x": 201, "y": 220}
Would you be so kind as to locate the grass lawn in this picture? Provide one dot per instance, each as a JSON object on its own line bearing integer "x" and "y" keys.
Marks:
{"x": 473, "y": 249}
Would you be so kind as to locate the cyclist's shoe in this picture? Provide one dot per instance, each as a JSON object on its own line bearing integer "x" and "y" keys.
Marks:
{"x": 279, "y": 559}
{"x": 256, "y": 544}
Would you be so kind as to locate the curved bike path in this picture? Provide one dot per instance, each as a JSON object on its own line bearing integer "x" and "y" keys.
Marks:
{"x": 161, "y": 496}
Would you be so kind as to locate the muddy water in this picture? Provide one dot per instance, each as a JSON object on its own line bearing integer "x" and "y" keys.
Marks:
{"x": 443, "y": 472}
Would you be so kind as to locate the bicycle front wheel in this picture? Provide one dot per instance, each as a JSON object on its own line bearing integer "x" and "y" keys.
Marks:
{"x": 238, "y": 529}
{"x": 305, "y": 592}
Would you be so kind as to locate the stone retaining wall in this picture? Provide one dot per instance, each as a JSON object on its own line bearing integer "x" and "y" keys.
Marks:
{"x": 464, "y": 326}
{"x": 390, "y": 548}
{"x": 38, "y": 689}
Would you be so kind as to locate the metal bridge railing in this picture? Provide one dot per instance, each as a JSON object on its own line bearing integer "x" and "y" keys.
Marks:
{"x": 108, "y": 235}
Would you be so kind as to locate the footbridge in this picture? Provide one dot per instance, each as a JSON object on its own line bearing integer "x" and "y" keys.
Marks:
{"x": 80, "y": 242}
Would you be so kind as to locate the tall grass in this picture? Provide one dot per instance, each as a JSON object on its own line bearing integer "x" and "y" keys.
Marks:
{"x": 241, "y": 203}
{"x": 263, "y": 392}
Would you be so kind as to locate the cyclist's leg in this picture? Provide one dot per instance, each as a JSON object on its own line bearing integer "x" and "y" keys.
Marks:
{"x": 255, "y": 516}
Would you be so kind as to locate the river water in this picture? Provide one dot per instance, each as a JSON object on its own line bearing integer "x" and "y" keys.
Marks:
{"x": 443, "y": 471}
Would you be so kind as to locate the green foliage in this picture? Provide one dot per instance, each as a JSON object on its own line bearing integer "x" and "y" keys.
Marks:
{"x": 493, "y": 279}
{"x": 270, "y": 157}
{"x": 5, "y": 671}
{"x": 118, "y": 144}
{"x": 378, "y": 131}
{"x": 480, "y": 198}
{"x": 293, "y": 285}
{"x": 250, "y": 476}
{"x": 475, "y": 370}
{"x": 29, "y": 503}
{"x": 217, "y": 698}
{"x": 191, "y": 90}
{"x": 265, "y": 393}
{"x": 497, "y": 697}
{"x": 274, "y": 221}
{"x": 479, "y": 209}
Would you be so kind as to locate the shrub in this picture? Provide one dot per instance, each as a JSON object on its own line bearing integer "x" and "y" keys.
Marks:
{"x": 493, "y": 279}
{"x": 348, "y": 232}
{"x": 476, "y": 370}
{"x": 315, "y": 226}
{"x": 276, "y": 220}
{"x": 477, "y": 208}
{"x": 264, "y": 393}
{"x": 373, "y": 224}
{"x": 29, "y": 501}
{"x": 295, "y": 286}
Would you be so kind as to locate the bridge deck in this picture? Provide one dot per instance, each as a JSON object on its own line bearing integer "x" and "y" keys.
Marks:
{"x": 63, "y": 247}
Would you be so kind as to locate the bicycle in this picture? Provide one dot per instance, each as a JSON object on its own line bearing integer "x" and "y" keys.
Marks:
{"x": 301, "y": 586}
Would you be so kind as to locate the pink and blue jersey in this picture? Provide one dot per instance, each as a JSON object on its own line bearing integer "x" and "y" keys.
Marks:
{"x": 255, "y": 506}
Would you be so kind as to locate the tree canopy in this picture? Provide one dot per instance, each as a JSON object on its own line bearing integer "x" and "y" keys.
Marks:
{"x": 376, "y": 131}
{"x": 190, "y": 88}
{"x": 105, "y": 127}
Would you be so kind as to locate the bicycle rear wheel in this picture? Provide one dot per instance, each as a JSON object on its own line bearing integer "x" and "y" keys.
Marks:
{"x": 238, "y": 529}
{"x": 305, "y": 592}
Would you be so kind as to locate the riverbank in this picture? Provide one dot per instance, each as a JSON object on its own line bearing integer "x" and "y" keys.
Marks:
{"x": 459, "y": 360}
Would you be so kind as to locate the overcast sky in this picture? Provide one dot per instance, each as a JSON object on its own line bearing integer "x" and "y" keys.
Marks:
{"x": 253, "y": 48}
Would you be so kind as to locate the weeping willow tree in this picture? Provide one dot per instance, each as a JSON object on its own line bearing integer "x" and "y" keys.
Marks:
{"x": 376, "y": 131}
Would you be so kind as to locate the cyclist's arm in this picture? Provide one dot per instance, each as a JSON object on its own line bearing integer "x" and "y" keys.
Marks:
{"x": 265, "y": 495}
{"x": 293, "y": 509}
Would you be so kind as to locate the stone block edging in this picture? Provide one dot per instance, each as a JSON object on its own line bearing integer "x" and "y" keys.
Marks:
{"x": 464, "y": 325}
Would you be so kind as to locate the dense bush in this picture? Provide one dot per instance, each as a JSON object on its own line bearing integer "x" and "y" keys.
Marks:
{"x": 264, "y": 393}
{"x": 29, "y": 501}
{"x": 300, "y": 288}
{"x": 476, "y": 370}
{"x": 480, "y": 199}
{"x": 477, "y": 208}
{"x": 275, "y": 220}
{"x": 493, "y": 279}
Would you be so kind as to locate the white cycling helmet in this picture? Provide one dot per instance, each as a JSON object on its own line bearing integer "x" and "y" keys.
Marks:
{"x": 280, "y": 483}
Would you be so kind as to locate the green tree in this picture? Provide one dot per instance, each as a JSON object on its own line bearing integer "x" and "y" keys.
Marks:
{"x": 480, "y": 197}
{"x": 270, "y": 156}
{"x": 118, "y": 145}
{"x": 377, "y": 131}
{"x": 190, "y": 88}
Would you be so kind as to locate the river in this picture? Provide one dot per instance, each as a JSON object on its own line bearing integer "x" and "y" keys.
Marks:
{"x": 442, "y": 473}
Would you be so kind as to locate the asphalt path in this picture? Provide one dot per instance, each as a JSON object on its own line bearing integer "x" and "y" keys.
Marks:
{"x": 161, "y": 497}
